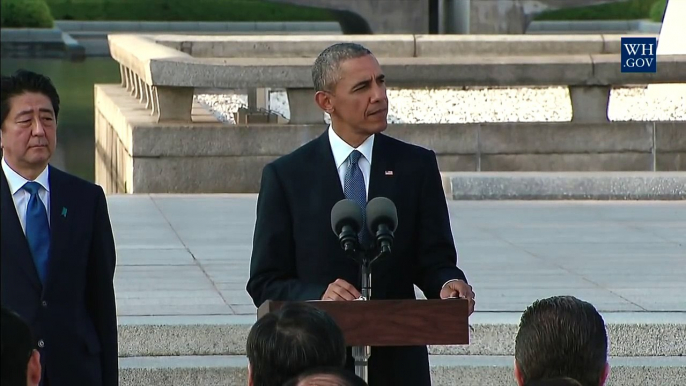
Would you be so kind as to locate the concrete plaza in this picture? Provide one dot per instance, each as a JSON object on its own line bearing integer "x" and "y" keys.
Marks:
{"x": 183, "y": 264}
{"x": 189, "y": 255}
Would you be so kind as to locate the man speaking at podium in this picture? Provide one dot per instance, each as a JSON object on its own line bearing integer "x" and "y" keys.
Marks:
{"x": 297, "y": 257}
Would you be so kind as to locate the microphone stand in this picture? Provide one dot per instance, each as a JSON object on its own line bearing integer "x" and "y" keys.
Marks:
{"x": 361, "y": 354}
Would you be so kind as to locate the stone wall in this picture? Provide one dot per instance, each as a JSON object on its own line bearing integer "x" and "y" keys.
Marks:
{"x": 135, "y": 154}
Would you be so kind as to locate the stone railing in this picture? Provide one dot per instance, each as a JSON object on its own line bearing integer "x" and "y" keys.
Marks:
{"x": 397, "y": 45}
{"x": 152, "y": 137}
{"x": 163, "y": 71}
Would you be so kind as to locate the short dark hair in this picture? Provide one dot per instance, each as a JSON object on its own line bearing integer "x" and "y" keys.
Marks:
{"x": 297, "y": 337}
{"x": 561, "y": 336}
{"x": 24, "y": 81}
{"x": 326, "y": 69}
{"x": 563, "y": 381}
{"x": 17, "y": 346}
{"x": 343, "y": 376}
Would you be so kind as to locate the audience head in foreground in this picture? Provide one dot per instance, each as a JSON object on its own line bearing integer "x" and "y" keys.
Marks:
{"x": 20, "y": 360}
{"x": 326, "y": 376}
{"x": 298, "y": 337}
{"x": 564, "y": 381}
{"x": 561, "y": 336}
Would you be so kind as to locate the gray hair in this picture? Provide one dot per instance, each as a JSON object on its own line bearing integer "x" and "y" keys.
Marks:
{"x": 326, "y": 69}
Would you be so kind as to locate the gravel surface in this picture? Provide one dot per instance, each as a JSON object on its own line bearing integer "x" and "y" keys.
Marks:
{"x": 550, "y": 104}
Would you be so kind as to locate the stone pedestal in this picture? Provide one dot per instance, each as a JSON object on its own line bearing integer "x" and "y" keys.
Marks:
{"x": 303, "y": 108}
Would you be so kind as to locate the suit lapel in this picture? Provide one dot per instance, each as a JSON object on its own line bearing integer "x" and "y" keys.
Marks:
{"x": 59, "y": 219}
{"x": 13, "y": 236}
{"x": 382, "y": 175}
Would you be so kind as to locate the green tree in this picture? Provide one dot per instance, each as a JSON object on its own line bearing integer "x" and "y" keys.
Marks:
{"x": 25, "y": 14}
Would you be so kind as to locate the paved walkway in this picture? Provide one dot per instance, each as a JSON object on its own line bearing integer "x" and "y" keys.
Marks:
{"x": 189, "y": 254}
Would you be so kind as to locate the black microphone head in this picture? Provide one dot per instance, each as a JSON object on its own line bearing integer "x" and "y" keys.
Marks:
{"x": 346, "y": 212}
{"x": 381, "y": 210}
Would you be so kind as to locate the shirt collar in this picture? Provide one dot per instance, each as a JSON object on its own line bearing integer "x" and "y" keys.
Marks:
{"x": 341, "y": 150}
{"x": 16, "y": 181}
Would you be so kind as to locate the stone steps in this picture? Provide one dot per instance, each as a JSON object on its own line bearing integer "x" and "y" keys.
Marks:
{"x": 631, "y": 334}
{"x": 647, "y": 348}
{"x": 565, "y": 185}
{"x": 470, "y": 370}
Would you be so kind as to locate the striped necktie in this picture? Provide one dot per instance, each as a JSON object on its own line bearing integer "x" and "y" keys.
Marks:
{"x": 355, "y": 190}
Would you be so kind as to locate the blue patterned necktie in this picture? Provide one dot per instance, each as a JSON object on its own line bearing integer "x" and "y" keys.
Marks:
{"x": 37, "y": 230}
{"x": 354, "y": 189}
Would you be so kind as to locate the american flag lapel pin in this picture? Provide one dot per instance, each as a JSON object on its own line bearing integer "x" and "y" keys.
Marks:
{"x": 388, "y": 172}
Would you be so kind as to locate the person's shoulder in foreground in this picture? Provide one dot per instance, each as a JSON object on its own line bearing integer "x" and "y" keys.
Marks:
{"x": 20, "y": 358}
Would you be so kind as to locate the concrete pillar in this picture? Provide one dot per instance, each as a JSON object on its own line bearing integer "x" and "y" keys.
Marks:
{"x": 129, "y": 80}
{"x": 143, "y": 97}
{"x": 154, "y": 101}
{"x": 134, "y": 85}
{"x": 173, "y": 103}
{"x": 441, "y": 16}
{"x": 138, "y": 89}
{"x": 258, "y": 99}
{"x": 497, "y": 17}
{"x": 122, "y": 75}
{"x": 148, "y": 97}
{"x": 302, "y": 106}
{"x": 456, "y": 16}
{"x": 589, "y": 103}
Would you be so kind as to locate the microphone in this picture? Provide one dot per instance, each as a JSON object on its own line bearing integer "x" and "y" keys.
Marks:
{"x": 382, "y": 221}
{"x": 346, "y": 223}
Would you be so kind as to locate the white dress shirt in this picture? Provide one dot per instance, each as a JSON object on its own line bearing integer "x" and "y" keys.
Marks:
{"x": 21, "y": 196}
{"x": 341, "y": 150}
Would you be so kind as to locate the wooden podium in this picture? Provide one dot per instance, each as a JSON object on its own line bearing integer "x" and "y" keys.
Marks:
{"x": 367, "y": 323}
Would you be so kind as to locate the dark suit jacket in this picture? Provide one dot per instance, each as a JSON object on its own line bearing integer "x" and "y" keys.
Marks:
{"x": 74, "y": 314}
{"x": 296, "y": 254}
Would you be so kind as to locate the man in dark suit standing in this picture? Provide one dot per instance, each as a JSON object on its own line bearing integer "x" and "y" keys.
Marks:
{"x": 297, "y": 257}
{"x": 57, "y": 249}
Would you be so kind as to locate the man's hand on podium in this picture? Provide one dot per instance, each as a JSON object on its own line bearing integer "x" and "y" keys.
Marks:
{"x": 459, "y": 289}
{"x": 341, "y": 290}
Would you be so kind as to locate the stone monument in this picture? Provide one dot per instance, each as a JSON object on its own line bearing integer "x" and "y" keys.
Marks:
{"x": 381, "y": 16}
{"x": 671, "y": 42}
{"x": 673, "y": 30}
{"x": 514, "y": 16}
{"x": 415, "y": 16}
